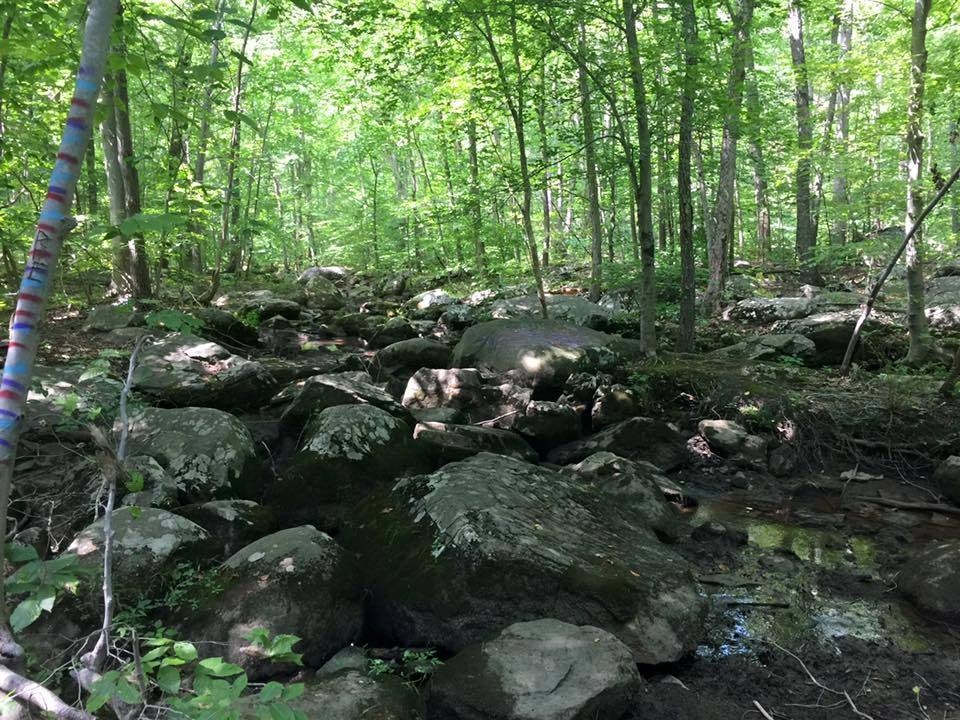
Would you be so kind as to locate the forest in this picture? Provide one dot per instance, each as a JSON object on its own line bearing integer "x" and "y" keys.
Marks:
{"x": 480, "y": 359}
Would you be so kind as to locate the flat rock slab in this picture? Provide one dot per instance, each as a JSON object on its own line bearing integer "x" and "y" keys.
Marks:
{"x": 183, "y": 370}
{"x": 541, "y": 352}
{"x": 296, "y": 581}
{"x": 567, "y": 308}
{"x": 539, "y": 670}
{"x": 931, "y": 579}
{"x": 457, "y": 442}
{"x": 638, "y": 438}
{"x": 456, "y": 555}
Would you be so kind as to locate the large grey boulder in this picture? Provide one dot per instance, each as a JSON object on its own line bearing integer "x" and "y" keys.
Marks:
{"x": 931, "y": 579}
{"x": 338, "y": 275}
{"x": 639, "y": 438}
{"x": 231, "y": 523}
{"x": 63, "y": 395}
{"x": 347, "y": 451}
{"x": 489, "y": 541}
{"x": 763, "y": 310}
{"x": 830, "y": 332}
{"x": 457, "y": 388}
{"x": 188, "y": 370}
{"x": 567, "y": 308}
{"x": 547, "y": 424}
{"x": 208, "y": 453}
{"x": 146, "y": 541}
{"x": 771, "y": 347}
{"x": 226, "y": 328}
{"x": 636, "y": 488}
{"x": 296, "y": 581}
{"x": 319, "y": 392}
{"x": 384, "y": 332}
{"x": 260, "y": 304}
{"x": 404, "y": 358}
{"x": 355, "y": 695}
{"x": 104, "y": 318}
{"x": 947, "y": 476}
{"x": 449, "y": 441}
{"x": 541, "y": 352}
{"x": 323, "y": 294}
{"x": 723, "y": 436}
{"x": 539, "y": 670}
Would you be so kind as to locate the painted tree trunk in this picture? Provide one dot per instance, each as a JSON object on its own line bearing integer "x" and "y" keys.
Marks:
{"x": 44, "y": 254}
{"x": 921, "y": 342}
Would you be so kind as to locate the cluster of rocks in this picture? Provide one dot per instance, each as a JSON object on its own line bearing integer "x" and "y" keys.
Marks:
{"x": 486, "y": 488}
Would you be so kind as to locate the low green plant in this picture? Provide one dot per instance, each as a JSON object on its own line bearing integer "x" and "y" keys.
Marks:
{"x": 183, "y": 589}
{"x": 173, "y": 320}
{"x": 39, "y": 581}
{"x": 413, "y": 665}
{"x": 171, "y": 673}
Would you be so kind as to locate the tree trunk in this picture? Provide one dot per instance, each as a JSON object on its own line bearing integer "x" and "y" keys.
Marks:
{"x": 40, "y": 271}
{"x": 954, "y": 201}
{"x": 514, "y": 99}
{"x": 806, "y": 239}
{"x": 921, "y": 342}
{"x": 226, "y": 212}
{"x": 644, "y": 187}
{"x": 120, "y": 271}
{"x": 720, "y": 230}
{"x": 590, "y": 159}
{"x": 841, "y": 198}
{"x": 139, "y": 267}
{"x": 688, "y": 300}
{"x": 755, "y": 148}
{"x": 476, "y": 213}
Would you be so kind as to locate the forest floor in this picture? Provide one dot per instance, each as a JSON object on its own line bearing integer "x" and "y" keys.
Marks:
{"x": 805, "y": 619}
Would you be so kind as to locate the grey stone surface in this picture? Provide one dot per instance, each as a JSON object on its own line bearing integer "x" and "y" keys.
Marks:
{"x": 453, "y": 556}
{"x": 539, "y": 670}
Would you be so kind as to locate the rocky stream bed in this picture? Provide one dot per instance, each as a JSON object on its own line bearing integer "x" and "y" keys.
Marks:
{"x": 575, "y": 530}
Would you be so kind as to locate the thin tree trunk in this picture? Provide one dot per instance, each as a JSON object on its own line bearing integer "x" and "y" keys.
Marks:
{"x": 227, "y": 214}
{"x": 121, "y": 280}
{"x": 541, "y": 106}
{"x": 841, "y": 199}
{"x": 755, "y": 149}
{"x": 954, "y": 201}
{"x": 476, "y": 213}
{"x": 644, "y": 187}
{"x": 688, "y": 299}
{"x": 806, "y": 240}
{"x": 721, "y": 225}
{"x": 514, "y": 99}
{"x": 590, "y": 159}
{"x": 921, "y": 342}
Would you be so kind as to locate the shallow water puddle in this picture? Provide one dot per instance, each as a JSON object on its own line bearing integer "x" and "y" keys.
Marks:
{"x": 777, "y": 594}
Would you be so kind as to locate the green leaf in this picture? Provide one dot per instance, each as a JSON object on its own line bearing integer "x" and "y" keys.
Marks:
{"x": 185, "y": 651}
{"x": 216, "y": 667}
{"x": 293, "y": 691}
{"x": 24, "y": 614}
{"x": 154, "y": 654}
{"x": 279, "y": 711}
{"x": 270, "y": 692}
{"x": 128, "y": 692}
{"x": 18, "y": 553}
{"x": 168, "y": 678}
{"x": 134, "y": 482}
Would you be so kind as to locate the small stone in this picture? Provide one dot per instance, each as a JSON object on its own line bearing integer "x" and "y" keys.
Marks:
{"x": 724, "y": 436}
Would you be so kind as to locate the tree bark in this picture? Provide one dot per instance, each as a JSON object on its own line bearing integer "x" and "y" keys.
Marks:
{"x": 228, "y": 201}
{"x": 590, "y": 160}
{"x": 757, "y": 162}
{"x": 805, "y": 238}
{"x": 643, "y": 189}
{"x": 720, "y": 230}
{"x": 688, "y": 300}
{"x": 841, "y": 198}
{"x": 39, "y": 273}
{"x": 921, "y": 342}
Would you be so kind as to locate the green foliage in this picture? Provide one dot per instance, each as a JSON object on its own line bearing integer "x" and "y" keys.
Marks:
{"x": 174, "y": 321}
{"x": 207, "y": 689}
{"x": 278, "y": 648}
{"x": 413, "y": 666}
{"x": 39, "y": 582}
{"x": 185, "y": 589}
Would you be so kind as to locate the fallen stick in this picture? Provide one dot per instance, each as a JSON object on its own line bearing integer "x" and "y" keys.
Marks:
{"x": 759, "y": 707}
{"x": 904, "y": 505}
{"x": 35, "y": 694}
